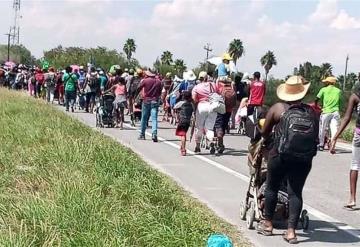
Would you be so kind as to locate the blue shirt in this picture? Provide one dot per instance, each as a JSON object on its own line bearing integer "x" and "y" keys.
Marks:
{"x": 222, "y": 71}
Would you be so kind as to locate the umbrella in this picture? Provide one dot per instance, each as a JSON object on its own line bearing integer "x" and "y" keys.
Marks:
{"x": 10, "y": 64}
{"x": 218, "y": 60}
{"x": 75, "y": 67}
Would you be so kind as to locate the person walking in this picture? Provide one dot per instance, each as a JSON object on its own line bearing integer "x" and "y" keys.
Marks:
{"x": 205, "y": 116}
{"x": 151, "y": 91}
{"x": 70, "y": 83}
{"x": 257, "y": 92}
{"x": 50, "y": 82}
{"x": 329, "y": 97}
{"x": 354, "y": 103}
{"x": 185, "y": 109}
{"x": 120, "y": 102}
{"x": 91, "y": 87}
{"x": 291, "y": 152}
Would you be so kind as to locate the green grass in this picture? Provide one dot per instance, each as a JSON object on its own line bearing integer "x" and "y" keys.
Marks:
{"x": 348, "y": 133}
{"x": 63, "y": 184}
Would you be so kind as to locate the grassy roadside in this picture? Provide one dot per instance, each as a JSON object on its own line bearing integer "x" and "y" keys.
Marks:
{"x": 63, "y": 184}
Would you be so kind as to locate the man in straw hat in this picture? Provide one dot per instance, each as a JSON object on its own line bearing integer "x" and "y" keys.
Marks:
{"x": 329, "y": 97}
{"x": 150, "y": 108}
{"x": 291, "y": 153}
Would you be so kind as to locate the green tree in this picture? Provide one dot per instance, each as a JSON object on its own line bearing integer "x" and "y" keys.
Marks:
{"x": 179, "y": 66}
{"x": 268, "y": 61}
{"x": 129, "y": 48}
{"x": 18, "y": 54}
{"x": 236, "y": 49}
{"x": 167, "y": 58}
{"x": 326, "y": 70}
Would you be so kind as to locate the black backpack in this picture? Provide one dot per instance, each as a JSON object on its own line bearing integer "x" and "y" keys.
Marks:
{"x": 93, "y": 81}
{"x": 298, "y": 132}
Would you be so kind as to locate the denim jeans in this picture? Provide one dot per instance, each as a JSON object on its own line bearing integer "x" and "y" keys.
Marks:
{"x": 149, "y": 108}
{"x": 70, "y": 97}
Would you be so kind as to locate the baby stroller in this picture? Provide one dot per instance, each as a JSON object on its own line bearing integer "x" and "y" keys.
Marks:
{"x": 252, "y": 207}
{"x": 104, "y": 111}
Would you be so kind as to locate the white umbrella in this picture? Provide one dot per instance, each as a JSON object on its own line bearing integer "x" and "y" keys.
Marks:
{"x": 218, "y": 60}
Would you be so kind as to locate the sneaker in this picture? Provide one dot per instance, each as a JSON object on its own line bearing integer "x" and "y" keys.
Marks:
{"x": 197, "y": 150}
{"x": 154, "y": 138}
{"x": 212, "y": 148}
{"x": 72, "y": 109}
{"x": 141, "y": 137}
{"x": 321, "y": 148}
{"x": 66, "y": 109}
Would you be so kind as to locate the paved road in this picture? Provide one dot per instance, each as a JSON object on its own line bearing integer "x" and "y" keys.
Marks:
{"x": 221, "y": 183}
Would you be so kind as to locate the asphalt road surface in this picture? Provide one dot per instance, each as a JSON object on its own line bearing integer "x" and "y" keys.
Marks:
{"x": 221, "y": 183}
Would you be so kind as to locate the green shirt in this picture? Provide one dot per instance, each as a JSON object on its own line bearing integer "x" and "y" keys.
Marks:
{"x": 70, "y": 83}
{"x": 103, "y": 81}
{"x": 330, "y": 98}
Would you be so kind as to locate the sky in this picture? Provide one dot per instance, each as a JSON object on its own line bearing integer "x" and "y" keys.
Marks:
{"x": 295, "y": 30}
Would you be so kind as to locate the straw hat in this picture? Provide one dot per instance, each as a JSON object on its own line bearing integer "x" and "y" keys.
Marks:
{"x": 149, "y": 73}
{"x": 226, "y": 56}
{"x": 293, "y": 89}
{"x": 202, "y": 74}
{"x": 330, "y": 80}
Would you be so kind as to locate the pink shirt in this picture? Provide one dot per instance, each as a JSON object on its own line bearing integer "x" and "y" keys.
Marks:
{"x": 120, "y": 90}
{"x": 202, "y": 91}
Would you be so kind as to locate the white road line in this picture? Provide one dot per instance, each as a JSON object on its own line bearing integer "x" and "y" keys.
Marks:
{"x": 318, "y": 214}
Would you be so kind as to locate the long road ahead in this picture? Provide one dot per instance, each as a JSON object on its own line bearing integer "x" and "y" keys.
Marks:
{"x": 221, "y": 182}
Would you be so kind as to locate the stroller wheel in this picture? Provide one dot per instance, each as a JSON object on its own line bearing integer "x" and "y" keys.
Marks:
{"x": 304, "y": 219}
{"x": 243, "y": 210}
{"x": 250, "y": 217}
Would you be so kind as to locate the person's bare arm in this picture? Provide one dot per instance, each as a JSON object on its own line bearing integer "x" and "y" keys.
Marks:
{"x": 353, "y": 101}
{"x": 269, "y": 122}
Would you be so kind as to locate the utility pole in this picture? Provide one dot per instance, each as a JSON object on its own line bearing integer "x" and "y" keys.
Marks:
{"x": 207, "y": 49}
{"x": 346, "y": 65}
{"x": 9, "y": 35}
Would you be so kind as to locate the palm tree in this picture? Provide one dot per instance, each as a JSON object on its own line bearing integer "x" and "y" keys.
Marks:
{"x": 129, "y": 48}
{"x": 267, "y": 61}
{"x": 180, "y": 66}
{"x": 236, "y": 49}
{"x": 166, "y": 58}
{"x": 326, "y": 70}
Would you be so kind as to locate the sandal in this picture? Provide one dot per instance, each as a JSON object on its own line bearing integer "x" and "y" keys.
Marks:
{"x": 350, "y": 205}
{"x": 290, "y": 240}
{"x": 183, "y": 152}
{"x": 261, "y": 229}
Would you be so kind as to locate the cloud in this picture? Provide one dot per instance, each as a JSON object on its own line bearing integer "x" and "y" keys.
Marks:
{"x": 325, "y": 10}
{"x": 343, "y": 21}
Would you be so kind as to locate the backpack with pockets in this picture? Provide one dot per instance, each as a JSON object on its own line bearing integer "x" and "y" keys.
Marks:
{"x": 50, "y": 80}
{"x": 93, "y": 81}
{"x": 298, "y": 132}
{"x": 229, "y": 95}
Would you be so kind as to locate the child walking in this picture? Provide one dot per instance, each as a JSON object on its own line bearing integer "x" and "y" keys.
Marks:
{"x": 120, "y": 102}
{"x": 184, "y": 109}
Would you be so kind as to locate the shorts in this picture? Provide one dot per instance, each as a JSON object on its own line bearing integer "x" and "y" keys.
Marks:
{"x": 222, "y": 121}
{"x": 90, "y": 97}
{"x": 182, "y": 128}
{"x": 355, "y": 159}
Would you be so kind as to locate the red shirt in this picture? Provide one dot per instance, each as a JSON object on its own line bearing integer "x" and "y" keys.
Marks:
{"x": 257, "y": 93}
{"x": 151, "y": 88}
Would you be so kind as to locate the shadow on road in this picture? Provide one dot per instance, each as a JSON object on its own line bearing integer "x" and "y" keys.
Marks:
{"x": 323, "y": 232}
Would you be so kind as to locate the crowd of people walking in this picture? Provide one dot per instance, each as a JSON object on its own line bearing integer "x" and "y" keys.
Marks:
{"x": 209, "y": 105}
